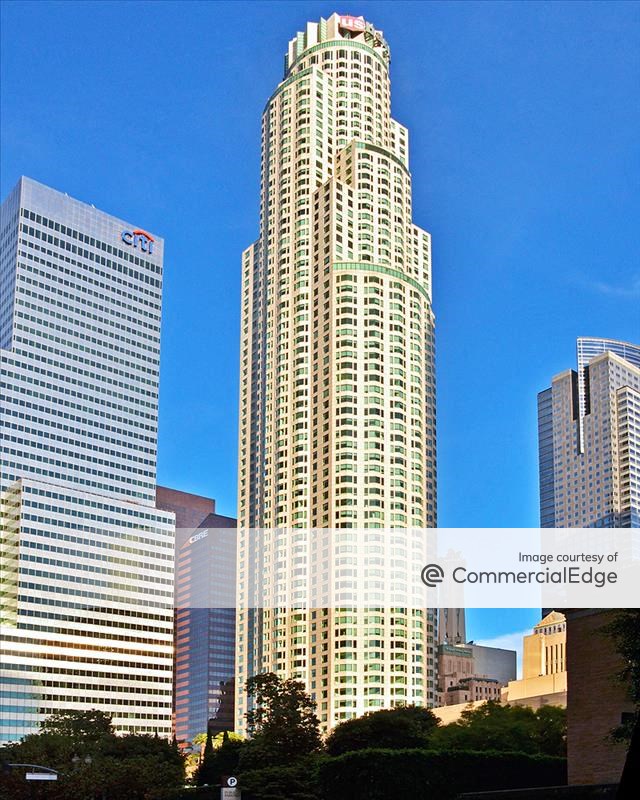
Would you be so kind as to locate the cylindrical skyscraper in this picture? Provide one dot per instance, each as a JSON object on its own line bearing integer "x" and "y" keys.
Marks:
{"x": 337, "y": 392}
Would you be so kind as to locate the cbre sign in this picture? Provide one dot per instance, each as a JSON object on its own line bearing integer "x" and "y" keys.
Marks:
{"x": 356, "y": 24}
{"x": 197, "y": 536}
{"x": 139, "y": 239}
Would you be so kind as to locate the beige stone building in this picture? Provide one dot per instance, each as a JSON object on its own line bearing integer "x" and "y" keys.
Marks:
{"x": 543, "y": 682}
{"x": 544, "y": 672}
{"x": 473, "y": 690}
{"x": 337, "y": 386}
{"x": 459, "y": 664}
{"x": 544, "y": 651}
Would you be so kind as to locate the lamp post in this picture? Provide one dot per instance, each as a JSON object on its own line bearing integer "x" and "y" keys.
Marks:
{"x": 78, "y": 761}
{"x": 43, "y": 773}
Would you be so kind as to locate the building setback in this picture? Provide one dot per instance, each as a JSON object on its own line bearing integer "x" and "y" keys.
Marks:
{"x": 337, "y": 380}
{"x": 87, "y": 568}
{"x": 205, "y": 624}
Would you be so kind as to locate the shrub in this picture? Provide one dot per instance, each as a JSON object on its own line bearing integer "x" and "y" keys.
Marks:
{"x": 428, "y": 775}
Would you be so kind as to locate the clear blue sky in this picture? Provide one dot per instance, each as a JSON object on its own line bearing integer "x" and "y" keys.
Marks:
{"x": 524, "y": 122}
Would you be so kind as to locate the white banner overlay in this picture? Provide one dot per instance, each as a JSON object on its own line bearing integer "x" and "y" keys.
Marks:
{"x": 410, "y": 568}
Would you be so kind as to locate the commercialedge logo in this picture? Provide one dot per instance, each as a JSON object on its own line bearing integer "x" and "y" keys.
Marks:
{"x": 140, "y": 239}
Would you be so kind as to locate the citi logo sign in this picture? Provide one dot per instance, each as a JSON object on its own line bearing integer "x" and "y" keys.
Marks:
{"x": 140, "y": 239}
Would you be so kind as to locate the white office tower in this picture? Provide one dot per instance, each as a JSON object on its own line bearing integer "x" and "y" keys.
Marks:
{"x": 87, "y": 560}
{"x": 337, "y": 385}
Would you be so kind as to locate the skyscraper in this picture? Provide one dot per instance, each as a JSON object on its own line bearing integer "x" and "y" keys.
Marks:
{"x": 87, "y": 559}
{"x": 337, "y": 384}
{"x": 205, "y": 616}
{"x": 589, "y": 439}
{"x": 589, "y": 450}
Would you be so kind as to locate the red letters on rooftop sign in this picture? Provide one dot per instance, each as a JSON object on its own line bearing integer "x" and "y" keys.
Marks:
{"x": 352, "y": 23}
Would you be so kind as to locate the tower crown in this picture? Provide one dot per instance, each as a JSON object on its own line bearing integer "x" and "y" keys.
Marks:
{"x": 338, "y": 28}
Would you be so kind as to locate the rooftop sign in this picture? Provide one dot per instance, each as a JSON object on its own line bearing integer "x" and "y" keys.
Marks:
{"x": 140, "y": 239}
{"x": 356, "y": 24}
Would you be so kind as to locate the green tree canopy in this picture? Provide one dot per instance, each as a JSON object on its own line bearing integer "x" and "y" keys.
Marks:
{"x": 493, "y": 726}
{"x": 198, "y": 739}
{"x": 86, "y": 725}
{"x": 92, "y": 761}
{"x": 223, "y": 759}
{"x": 551, "y": 731}
{"x": 624, "y": 628}
{"x": 283, "y": 722}
{"x": 395, "y": 728}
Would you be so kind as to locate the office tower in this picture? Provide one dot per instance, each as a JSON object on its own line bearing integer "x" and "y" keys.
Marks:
{"x": 337, "y": 385}
{"x": 589, "y": 439}
{"x": 87, "y": 560}
{"x": 205, "y": 625}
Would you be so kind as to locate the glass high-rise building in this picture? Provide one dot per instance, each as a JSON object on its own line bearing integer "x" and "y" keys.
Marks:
{"x": 87, "y": 559}
{"x": 337, "y": 384}
{"x": 205, "y": 616}
{"x": 589, "y": 439}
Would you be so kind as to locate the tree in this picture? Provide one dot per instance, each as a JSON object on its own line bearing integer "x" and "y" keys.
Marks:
{"x": 208, "y": 745}
{"x": 283, "y": 724}
{"x": 135, "y": 765}
{"x": 625, "y": 631}
{"x": 93, "y": 762}
{"x": 396, "y": 729}
{"x": 193, "y": 756}
{"x": 295, "y": 781}
{"x": 85, "y": 725}
{"x": 221, "y": 758}
{"x": 551, "y": 730}
{"x": 225, "y": 736}
{"x": 423, "y": 774}
{"x": 493, "y": 726}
